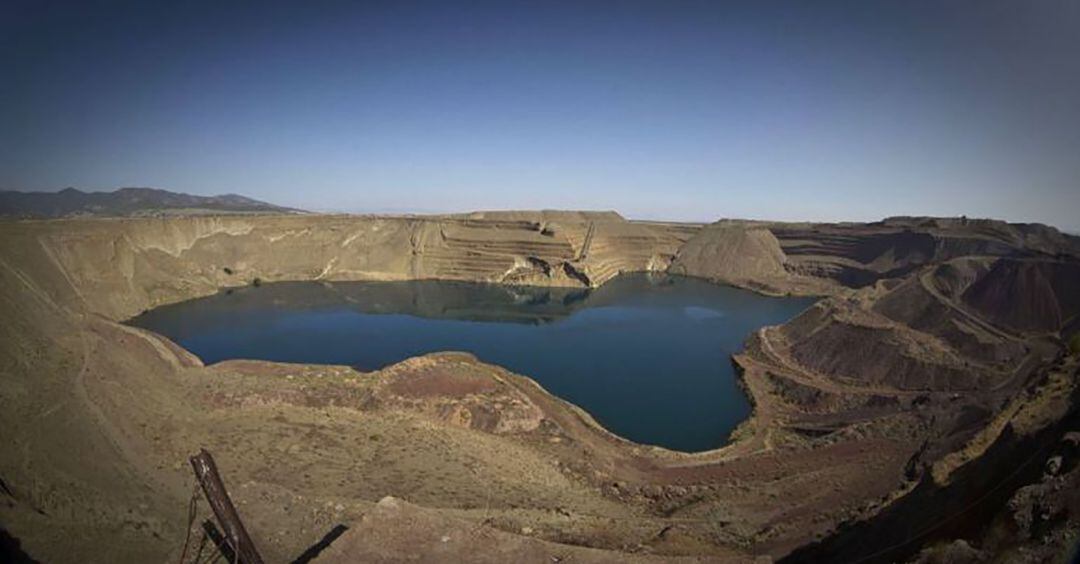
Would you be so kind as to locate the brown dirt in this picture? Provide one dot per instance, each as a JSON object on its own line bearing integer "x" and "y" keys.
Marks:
{"x": 853, "y": 401}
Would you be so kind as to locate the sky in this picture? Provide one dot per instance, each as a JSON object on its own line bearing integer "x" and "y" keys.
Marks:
{"x": 660, "y": 110}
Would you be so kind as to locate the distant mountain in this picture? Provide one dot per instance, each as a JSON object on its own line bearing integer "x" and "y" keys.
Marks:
{"x": 71, "y": 202}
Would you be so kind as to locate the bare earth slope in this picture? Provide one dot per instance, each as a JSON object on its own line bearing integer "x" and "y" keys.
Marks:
{"x": 938, "y": 348}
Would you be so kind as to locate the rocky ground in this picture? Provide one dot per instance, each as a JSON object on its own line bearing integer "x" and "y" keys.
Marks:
{"x": 936, "y": 355}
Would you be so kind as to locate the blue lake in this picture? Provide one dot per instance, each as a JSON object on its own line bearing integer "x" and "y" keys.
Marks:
{"x": 648, "y": 356}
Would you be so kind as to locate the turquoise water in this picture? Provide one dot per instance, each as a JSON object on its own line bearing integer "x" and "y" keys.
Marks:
{"x": 648, "y": 356}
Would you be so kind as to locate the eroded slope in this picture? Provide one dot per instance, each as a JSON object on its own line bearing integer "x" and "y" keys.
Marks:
{"x": 912, "y": 361}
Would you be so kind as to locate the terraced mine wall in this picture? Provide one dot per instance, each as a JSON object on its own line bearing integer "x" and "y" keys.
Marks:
{"x": 121, "y": 267}
{"x": 932, "y": 336}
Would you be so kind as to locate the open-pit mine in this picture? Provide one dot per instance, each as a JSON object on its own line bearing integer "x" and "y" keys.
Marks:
{"x": 919, "y": 403}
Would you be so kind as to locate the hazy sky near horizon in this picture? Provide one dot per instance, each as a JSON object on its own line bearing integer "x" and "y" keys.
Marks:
{"x": 666, "y": 109}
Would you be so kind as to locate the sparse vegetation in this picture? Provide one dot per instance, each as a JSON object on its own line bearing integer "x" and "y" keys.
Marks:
{"x": 1074, "y": 344}
{"x": 256, "y": 282}
{"x": 228, "y": 270}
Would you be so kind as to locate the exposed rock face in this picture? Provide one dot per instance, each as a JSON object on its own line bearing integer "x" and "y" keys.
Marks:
{"x": 123, "y": 267}
{"x": 937, "y": 344}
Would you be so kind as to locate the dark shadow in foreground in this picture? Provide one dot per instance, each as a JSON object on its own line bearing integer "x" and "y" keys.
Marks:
{"x": 11, "y": 549}
{"x": 318, "y": 547}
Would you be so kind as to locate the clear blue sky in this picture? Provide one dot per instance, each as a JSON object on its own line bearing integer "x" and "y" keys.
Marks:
{"x": 679, "y": 110}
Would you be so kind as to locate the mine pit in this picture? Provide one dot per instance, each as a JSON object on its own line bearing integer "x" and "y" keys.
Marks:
{"x": 820, "y": 382}
{"x": 647, "y": 355}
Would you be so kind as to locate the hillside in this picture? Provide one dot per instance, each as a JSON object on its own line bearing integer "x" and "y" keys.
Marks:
{"x": 126, "y": 202}
{"x": 932, "y": 367}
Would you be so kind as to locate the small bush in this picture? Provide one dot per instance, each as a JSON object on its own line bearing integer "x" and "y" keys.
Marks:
{"x": 256, "y": 282}
{"x": 1074, "y": 344}
{"x": 228, "y": 270}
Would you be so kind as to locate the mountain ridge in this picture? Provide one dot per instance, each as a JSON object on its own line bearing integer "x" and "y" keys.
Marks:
{"x": 127, "y": 202}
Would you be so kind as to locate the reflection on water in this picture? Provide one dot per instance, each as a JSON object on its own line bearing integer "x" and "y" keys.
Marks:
{"x": 647, "y": 355}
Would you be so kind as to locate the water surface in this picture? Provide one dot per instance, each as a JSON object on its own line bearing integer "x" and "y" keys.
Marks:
{"x": 648, "y": 356}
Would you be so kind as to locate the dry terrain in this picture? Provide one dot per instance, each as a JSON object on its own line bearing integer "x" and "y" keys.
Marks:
{"x": 932, "y": 378}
